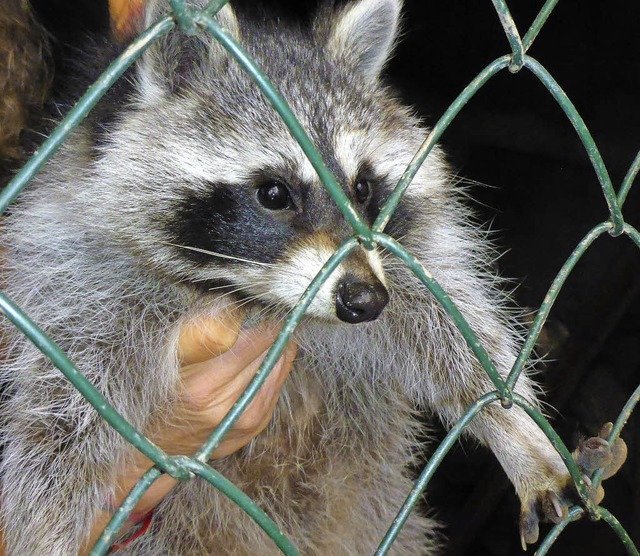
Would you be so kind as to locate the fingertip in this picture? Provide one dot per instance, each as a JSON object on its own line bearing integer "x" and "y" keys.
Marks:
{"x": 288, "y": 356}
{"x": 208, "y": 336}
{"x": 259, "y": 339}
{"x": 282, "y": 369}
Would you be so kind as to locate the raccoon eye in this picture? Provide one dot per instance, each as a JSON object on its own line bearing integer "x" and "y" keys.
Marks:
{"x": 363, "y": 190}
{"x": 274, "y": 195}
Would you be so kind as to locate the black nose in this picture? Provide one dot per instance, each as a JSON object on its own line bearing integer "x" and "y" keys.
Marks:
{"x": 360, "y": 301}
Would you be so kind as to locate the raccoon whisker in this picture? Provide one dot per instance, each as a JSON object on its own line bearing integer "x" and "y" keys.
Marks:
{"x": 241, "y": 303}
{"x": 463, "y": 182}
{"x": 228, "y": 292}
{"x": 277, "y": 315}
{"x": 264, "y": 313}
{"x": 393, "y": 261}
{"x": 246, "y": 297}
{"x": 393, "y": 266}
{"x": 237, "y": 303}
{"x": 217, "y": 288}
{"x": 399, "y": 239}
{"x": 214, "y": 254}
{"x": 276, "y": 312}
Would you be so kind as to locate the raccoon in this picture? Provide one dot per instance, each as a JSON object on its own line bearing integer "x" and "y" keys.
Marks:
{"x": 187, "y": 193}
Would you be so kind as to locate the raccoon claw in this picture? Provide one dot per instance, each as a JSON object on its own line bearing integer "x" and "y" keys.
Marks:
{"x": 529, "y": 529}
{"x": 553, "y": 505}
{"x": 556, "y": 507}
{"x": 547, "y": 507}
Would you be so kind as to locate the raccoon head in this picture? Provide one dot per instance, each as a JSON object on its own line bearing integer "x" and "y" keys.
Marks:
{"x": 229, "y": 199}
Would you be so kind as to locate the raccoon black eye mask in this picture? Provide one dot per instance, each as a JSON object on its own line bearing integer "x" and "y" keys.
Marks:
{"x": 116, "y": 244}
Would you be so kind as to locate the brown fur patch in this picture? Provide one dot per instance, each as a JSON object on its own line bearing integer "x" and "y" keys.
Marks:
{"x": 24, "y": 72}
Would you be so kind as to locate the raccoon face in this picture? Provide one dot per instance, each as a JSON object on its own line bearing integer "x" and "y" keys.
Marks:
{"x": 269, "y": 237}
{"x": 234, "y": 205}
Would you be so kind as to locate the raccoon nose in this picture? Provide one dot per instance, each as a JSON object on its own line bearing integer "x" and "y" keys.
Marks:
{"x": 359, "y": 301}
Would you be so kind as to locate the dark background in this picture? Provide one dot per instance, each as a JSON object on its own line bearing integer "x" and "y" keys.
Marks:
{"x": 533, "y": 184}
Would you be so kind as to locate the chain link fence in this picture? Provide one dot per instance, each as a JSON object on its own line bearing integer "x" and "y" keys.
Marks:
{"x": 191, "y": 21}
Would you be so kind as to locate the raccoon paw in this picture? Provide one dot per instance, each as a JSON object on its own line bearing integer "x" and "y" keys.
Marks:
{"x": 552, "y": 505}
{"x": 596, "y": 453}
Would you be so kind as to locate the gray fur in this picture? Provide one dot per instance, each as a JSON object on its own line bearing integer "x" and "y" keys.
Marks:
{"x": 88, "y": 256}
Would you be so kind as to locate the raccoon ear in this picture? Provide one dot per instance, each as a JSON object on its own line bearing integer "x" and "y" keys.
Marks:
{"x": 364, "y": 32}
{"x": 177, "y": 60}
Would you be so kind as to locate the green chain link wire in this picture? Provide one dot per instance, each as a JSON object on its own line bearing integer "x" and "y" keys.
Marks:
{"x": 193, "y": 21}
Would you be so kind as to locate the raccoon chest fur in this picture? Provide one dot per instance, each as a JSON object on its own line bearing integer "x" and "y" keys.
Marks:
{"x": 331, "y": 490}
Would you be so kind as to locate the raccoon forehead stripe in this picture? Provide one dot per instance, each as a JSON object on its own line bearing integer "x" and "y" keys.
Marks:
{"x": 391, "y": 153}
{"x": 304, "y": 169}
{"x": 350, "y": 147}
{"x": 205, "y": 165}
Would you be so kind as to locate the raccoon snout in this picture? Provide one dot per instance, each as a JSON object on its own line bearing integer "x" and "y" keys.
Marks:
{"x": 360, "y": 301}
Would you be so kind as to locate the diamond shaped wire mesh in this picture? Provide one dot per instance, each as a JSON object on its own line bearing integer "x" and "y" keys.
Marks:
{"x": 192, "y": 21}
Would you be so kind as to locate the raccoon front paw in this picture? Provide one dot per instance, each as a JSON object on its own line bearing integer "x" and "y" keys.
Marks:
{"x": 552, "y": 505}
{"x": 596, "y": 453}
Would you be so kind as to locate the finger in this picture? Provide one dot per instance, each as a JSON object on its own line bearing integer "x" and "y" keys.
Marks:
{"x": 204, "y": 409}
{"x": 281, "y": 369}
{"x": 259, "y": 411}
{"x": 207, "y": 337}
{"x": 275, "y": 381}
{"x": 230, "y": 373}
{"x": 552, "y": 508}
{"x": 605, "y": 431}
{"x": 597, "y": 495}
{"x": 591, "y": 454}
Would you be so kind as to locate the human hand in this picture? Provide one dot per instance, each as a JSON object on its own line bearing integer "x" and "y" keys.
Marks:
{"x": 218, "y": 362}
